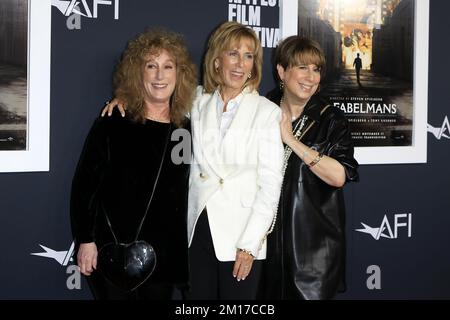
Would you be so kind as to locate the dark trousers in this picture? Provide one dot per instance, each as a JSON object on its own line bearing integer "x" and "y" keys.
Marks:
{"x": 212, "y": 279}
{"x": 103, "y": 290}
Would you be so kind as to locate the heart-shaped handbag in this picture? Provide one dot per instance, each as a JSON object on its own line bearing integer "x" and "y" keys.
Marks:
{"x": 129, "y": 265}
{"x": 126, "y": 266}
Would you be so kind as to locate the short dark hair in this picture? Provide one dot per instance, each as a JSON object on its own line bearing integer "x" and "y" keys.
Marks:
{"x": 296, "y": 50}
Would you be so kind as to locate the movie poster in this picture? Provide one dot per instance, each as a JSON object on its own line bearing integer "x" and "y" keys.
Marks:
{"x": 13, "y": 74}
{"x": 25, "y": 36}
{"x": 369, "y": 47}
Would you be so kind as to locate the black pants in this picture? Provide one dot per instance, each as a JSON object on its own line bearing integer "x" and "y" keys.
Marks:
{"x": 212, "y": 279}
{"x": 103, "y": 290}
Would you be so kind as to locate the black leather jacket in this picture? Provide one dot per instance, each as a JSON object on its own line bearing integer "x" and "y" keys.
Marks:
{"x": 306, "y": 251}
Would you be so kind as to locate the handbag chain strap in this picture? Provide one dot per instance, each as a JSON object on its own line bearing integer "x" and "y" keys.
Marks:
{"x": 151, "y": 195}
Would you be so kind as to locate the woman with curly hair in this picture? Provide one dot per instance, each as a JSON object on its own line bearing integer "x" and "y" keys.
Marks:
{"x": 126, "y": 180}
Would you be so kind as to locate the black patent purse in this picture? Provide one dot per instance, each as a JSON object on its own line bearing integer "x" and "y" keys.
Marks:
{"x": 128, "y": 265}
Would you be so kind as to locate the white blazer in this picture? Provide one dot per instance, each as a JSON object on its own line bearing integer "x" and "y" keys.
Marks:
{"x": 239, "y": 181}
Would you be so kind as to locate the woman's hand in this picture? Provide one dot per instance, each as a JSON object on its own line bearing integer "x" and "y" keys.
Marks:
{"x": 87, "y": 258}
{"x": 242, "y": 265}
{"x": 111, "y": 105}
{"x": 286, "y": 127}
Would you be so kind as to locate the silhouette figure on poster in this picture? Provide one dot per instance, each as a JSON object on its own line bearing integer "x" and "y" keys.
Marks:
{"x": 357, "y": 63}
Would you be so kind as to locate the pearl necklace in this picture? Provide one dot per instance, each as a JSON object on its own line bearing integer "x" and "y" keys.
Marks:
{"x": 297, "y": 131}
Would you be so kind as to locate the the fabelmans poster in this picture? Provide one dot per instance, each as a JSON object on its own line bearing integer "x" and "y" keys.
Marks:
{"x": 371, "y": 48}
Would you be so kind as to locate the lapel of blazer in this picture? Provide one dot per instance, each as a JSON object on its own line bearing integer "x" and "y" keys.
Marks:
{"x": 209, "y": 133}
{"x": 233, "y": 144}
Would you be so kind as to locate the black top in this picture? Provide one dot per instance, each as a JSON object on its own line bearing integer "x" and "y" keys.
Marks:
{"x": 115, "y": 174}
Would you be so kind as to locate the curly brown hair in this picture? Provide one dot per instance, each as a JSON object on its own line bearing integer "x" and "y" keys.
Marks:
{"x": 128, "y": 77}
{"x": 224, "y": 37}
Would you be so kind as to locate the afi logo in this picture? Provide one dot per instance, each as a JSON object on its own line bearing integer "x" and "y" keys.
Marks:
{"x": 443, "y": 131}
{"x": 68, "y": 7}
{"x": 403, "y": 220}
{"x": 374, "y": 280}
{"x": 63, "y": 258}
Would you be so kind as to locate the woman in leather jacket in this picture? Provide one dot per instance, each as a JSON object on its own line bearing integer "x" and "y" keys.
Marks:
{"x": 306, "y": 250}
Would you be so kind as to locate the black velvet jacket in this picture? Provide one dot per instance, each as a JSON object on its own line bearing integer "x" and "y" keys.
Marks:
{"x": 115, "y": 174}
{"x": 306, "y": 251}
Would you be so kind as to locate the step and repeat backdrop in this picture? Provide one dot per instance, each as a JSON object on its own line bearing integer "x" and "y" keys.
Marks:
{"x": 398, "y": 215}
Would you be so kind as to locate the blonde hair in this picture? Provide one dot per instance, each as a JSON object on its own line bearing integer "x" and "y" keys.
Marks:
{"x": 223, "y": 38}
{"x": 128, "y": 78}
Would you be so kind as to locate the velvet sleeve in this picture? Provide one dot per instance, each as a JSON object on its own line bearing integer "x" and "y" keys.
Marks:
{"x": 86, "y": 183}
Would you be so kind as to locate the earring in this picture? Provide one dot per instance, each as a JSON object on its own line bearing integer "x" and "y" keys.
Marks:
{"x": 281, "y": 85}
{"x": 250, "y": 75}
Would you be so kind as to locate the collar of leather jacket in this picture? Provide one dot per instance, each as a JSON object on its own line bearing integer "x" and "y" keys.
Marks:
{"x": 315, "y": 107}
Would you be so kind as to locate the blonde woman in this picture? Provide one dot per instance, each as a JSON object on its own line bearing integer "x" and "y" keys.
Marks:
{"x": 236, "y": 177}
